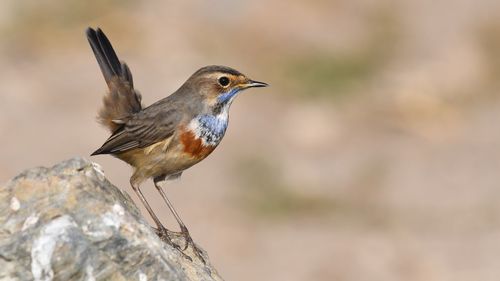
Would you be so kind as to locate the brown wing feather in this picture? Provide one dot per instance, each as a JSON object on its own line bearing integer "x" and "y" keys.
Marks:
{"x": 122, "y": 100}
{"x": 150, "y": 126}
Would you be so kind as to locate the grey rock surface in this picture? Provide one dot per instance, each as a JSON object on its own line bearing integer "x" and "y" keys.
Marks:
{"x": 69, "y": 222}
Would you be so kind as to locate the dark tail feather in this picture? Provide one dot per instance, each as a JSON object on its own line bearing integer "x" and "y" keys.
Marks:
{"x": 106, "y": 57}
{"x": 127, "y": 75}
{"x": 121, "y": 100}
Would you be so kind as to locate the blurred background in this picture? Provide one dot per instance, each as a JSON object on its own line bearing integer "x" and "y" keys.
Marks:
{"x": 374, "y": 155}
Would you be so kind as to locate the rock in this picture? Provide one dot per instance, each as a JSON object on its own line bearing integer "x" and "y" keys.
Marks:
{"x": 69, "y": 222}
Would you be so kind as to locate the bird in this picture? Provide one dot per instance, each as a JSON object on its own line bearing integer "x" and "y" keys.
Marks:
{"x": 164, "y": 139}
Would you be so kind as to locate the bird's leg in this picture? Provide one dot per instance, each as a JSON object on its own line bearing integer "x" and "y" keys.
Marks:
{"x": 161, "y": 231}
{"x": 184, "y": 230}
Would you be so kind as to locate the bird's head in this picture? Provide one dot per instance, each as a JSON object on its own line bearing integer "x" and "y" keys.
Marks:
{"x": 219, "y": 85}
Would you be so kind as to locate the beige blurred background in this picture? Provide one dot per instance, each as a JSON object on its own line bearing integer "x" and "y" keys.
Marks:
{"x": 373, "y": 156}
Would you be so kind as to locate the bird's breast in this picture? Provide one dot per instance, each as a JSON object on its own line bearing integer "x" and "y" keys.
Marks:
{"x": 203, "y": 134}
{"x": 194, "y": 146}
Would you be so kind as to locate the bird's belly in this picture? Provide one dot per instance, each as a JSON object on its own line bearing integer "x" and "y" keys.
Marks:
{"x": 166, "y": 158}
{"x": 173, "y": 155}
{"x": 185, "y": 151}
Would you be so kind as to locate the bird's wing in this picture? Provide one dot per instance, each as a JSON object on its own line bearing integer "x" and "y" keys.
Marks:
{"x": 143, "y": 129}
{"x": 122, "y": 100}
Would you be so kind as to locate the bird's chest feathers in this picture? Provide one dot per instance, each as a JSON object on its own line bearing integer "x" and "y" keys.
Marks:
{"x": 209, "y": 128}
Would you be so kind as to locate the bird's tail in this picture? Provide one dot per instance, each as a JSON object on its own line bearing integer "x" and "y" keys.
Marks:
{"x": 122, "y": 100}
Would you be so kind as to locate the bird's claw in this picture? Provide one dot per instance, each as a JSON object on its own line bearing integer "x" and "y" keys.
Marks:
{"x": 164, "y": 235}
{"x": 189, "y": 241}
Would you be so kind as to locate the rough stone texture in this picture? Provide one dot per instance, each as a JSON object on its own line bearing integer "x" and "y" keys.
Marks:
{"x": 69, "y": 223}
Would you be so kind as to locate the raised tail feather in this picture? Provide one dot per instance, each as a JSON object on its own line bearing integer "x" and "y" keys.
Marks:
{"x": 122, "y": 100}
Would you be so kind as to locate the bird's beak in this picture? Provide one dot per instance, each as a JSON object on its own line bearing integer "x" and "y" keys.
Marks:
{"x": 254, "y": 84}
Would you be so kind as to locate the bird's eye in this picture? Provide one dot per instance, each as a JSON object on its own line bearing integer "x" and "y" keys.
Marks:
{"x": 224, "y": 81}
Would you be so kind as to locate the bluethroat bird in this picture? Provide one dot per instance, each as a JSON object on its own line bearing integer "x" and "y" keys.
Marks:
{"x": 164, "y": 139}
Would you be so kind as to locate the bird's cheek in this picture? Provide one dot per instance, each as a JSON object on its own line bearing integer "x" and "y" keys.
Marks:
{"x": 212, "y": 101}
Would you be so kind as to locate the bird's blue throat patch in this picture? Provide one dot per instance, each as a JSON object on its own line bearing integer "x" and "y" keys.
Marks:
{"x": 228, "y": 96}
{"x": 211, "y": 128}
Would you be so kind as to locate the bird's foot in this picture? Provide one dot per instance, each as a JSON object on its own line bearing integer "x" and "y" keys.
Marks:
{"x": 189, "y": 241}
{"x": 165, "y": 236}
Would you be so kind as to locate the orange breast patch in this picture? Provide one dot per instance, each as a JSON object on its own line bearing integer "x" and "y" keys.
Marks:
{"x": 194, "y": 146}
